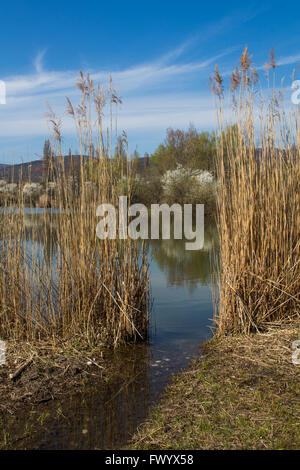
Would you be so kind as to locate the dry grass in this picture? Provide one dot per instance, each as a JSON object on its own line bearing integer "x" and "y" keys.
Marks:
{"x": 242, "y": 394}
{"x": 36, "y": 373}
{"x": 98, "y": 289}
{"x": 258, "y": 168}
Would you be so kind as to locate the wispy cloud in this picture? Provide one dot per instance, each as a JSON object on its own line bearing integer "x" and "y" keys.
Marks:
{"x": 288, "y": 60}
{"x": 281, "y": 62}
{"x": 127, "y": 80}
{"x": 150, "y": 101}
{"x": 171, "y": 90}
{"x": 38, "y": 62}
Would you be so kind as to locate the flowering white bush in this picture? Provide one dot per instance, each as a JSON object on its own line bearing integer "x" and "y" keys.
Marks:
{"x": 2, "y": 186}
{"x": 201, "y": 177}
{"x": 204, "y": 178}
{"x": 32, "y": 189}
{"x": 188, "y": 186}
{"x": 11, "y": 188}
{"x": 8, "y": 188}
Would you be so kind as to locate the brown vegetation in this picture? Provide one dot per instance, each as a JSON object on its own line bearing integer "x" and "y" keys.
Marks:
{"x": 98, "y": 289}
{"x": 258, "y": 203}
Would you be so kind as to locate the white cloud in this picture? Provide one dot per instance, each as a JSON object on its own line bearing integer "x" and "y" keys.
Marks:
{"x": 288, "y": 60}
{"x": 127, "y": 80}
{"x": 154, "y": 94}
{"x": 146, "y": 112}
{"x": 38, "y": 62}
{"x": 156, "y": 106}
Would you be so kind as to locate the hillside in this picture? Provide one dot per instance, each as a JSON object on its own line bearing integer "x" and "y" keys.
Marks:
{"x": 33, "y": 171}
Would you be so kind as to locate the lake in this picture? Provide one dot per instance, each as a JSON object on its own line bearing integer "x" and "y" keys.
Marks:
{"x": 105, "y": 417}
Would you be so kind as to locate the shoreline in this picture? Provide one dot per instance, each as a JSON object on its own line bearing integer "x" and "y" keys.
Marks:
{"x": 242, "y": 393}
{"x": 39, "y": 372}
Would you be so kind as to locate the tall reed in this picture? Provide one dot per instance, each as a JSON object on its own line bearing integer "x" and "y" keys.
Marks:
{"x": 57, "y": 279}
{"x": 258, "y": 168}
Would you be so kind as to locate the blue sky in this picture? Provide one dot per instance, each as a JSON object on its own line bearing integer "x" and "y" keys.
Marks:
{"x": 160, "y": 54}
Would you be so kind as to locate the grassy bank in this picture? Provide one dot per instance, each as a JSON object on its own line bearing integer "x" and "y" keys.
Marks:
{"x": 242, "y": 394}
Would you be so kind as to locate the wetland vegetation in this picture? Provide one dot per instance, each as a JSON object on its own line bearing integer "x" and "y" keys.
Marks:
{"x": 104, "y": 318}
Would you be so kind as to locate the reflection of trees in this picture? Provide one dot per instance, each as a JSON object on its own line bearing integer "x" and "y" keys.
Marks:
{"x": 184, "y": 267}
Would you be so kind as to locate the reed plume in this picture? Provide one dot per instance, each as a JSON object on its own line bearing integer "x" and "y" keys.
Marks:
{"x": 57, "y": 279}
{"x": 258, "y": 169}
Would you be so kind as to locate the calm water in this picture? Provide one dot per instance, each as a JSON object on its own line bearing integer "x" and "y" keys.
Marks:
{"x": 105, "y": 417}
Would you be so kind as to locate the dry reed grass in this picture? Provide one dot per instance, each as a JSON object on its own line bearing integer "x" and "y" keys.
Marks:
{"x": 258, "y": 167}
{"x": 97, "y": 289}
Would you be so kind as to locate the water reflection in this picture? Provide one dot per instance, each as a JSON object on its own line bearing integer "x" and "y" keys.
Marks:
{"x": 106, "y": 415}
{"x": 182, "y": 267}
{"x": 102, "y": 416}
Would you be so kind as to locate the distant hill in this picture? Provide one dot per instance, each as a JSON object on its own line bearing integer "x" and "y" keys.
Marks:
{"x": 3, "y": 165}
{"x": 34, "y": 171}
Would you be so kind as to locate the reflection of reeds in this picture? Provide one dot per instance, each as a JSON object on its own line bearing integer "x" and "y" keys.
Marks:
{"x": 96, "y": 288}
{"x": 258, "y": 204}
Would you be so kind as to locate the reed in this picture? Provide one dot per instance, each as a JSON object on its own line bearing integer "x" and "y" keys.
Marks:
{"x": 258, "y": 169}
{"x": 57, "y": 279}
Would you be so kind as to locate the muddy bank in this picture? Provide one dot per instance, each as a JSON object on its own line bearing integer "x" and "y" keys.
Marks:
{"x": 82, "y": 399}
{"x": 36, "y": 374}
